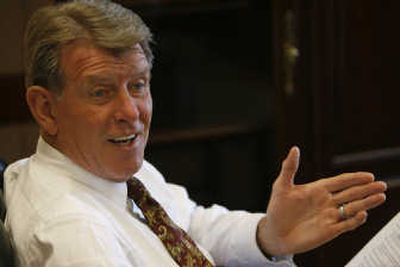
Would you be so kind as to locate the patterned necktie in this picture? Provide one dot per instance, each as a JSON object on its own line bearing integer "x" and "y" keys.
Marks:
{"x": 178, "y": 243}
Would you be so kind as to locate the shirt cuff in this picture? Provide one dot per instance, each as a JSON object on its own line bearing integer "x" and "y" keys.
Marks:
{"x": 250, "y": 253}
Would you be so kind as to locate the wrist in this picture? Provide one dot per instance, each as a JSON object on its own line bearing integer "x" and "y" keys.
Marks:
{"x": 268, "y": 240}
{"x": 260, "y": 238}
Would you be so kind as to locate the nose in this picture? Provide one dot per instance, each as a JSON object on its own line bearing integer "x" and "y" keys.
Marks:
{"x": 126, "y": 108}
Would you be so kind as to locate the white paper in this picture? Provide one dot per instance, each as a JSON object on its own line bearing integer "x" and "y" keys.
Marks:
{"x": 383, "y": 250}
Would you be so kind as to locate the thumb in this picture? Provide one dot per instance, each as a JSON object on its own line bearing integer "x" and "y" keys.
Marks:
{"x": 289, "y": 167}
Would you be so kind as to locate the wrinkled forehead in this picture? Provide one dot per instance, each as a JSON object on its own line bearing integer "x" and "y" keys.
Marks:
{"x": 83, "y": 56}
{"x": 86, "y": 47}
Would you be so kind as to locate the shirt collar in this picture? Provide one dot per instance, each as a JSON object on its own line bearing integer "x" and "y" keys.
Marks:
{"x": 53, "y": 158}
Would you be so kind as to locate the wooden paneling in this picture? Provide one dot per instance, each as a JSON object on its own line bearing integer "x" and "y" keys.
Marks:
{"x": 13, "y": 107}
{"x": 343, "y": 110}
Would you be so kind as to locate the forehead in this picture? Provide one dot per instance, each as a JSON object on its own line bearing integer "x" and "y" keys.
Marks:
{"x": 82, "y": 57}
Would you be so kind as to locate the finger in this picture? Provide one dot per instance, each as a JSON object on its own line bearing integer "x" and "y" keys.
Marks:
{"x": 346, "y": 180}
{"x": 290, "y": 166}
{"x": 367, "y": 203}
{"x": 350, "y": 223}
{"x": 359, "y": 192}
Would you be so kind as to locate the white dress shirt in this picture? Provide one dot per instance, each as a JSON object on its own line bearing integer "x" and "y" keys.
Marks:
{"x": 61, "y": 215}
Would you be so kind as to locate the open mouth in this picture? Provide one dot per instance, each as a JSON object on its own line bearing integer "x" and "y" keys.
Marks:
{"x": 124, "y": 139}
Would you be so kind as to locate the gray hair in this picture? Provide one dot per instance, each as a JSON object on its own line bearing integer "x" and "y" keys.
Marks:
{"x": 108, "y": 25}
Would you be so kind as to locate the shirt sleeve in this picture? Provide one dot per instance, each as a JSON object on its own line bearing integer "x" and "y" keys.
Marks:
{"x": 230, "y": 236}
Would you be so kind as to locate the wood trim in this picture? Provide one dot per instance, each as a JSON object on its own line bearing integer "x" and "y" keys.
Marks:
{"x": 202, "y": 134}
{"x": 12, "y": 103}
{"x": 373, "y": 156}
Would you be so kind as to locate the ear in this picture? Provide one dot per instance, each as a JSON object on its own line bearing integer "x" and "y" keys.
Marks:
{"x": 42, "y": 104}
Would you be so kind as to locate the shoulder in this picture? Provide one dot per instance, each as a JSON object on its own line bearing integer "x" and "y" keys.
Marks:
{"x": 173, "y": 198}
{"x": 149, "y": 172}
{"x": 156, "y": 183}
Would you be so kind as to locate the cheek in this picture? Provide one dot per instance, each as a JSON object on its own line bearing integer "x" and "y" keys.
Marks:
{"x": 82, "y": 119}
{"x": 83, "y": 123}
{"x": 147, "y": 110}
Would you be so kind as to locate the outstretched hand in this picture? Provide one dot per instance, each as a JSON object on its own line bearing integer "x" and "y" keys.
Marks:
{"x": 303, "y": 217}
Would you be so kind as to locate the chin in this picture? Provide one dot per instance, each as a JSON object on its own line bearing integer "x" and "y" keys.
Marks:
{"x": 120, "y": 171}
{"x": 118, "y": 176}
{"x": 127, "y": 173}
{"x": 120, "y": 179}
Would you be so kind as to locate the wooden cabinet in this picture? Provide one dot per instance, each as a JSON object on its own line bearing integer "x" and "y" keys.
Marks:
{"x": 338, "y": 98}
{"x": 13, "y": 16}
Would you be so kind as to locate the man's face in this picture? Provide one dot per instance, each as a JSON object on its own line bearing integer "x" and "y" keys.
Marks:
{"x": 103, "y": 115}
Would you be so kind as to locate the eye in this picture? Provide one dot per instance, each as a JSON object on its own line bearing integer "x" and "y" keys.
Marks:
{"x": 138, "y": 87}
{"x": 100, "y": 93}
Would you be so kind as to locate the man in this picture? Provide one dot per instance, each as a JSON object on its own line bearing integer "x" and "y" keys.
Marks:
{"x": 88, "y": 67}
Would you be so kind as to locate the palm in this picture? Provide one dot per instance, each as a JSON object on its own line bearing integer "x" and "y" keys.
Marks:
{"x": 302, "y": 217}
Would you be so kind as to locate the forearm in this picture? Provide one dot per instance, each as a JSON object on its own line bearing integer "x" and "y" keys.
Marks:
{"x": 230, "y": 236}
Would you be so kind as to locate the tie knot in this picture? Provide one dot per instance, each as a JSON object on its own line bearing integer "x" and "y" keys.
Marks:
{"x": 136, "y": 190}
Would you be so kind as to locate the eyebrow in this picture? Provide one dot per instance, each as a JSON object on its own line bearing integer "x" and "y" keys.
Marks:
{"x": 146, "y": 72}
{"x": 109, "y": 79}
{"x": 141, "y": 70}
{"x": 99, "y": 79}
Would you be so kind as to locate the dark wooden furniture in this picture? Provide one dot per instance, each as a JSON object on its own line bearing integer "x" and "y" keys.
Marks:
{"x": 336, "y": 81}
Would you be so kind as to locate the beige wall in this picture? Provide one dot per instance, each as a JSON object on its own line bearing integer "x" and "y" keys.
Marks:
{"x": 13, "y": 16}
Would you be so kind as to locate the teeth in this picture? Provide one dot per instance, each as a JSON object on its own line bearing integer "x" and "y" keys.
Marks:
{"x": 123, "y": 138}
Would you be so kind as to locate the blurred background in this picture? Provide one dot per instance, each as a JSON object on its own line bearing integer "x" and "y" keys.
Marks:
{"x": 237, "y": 82}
